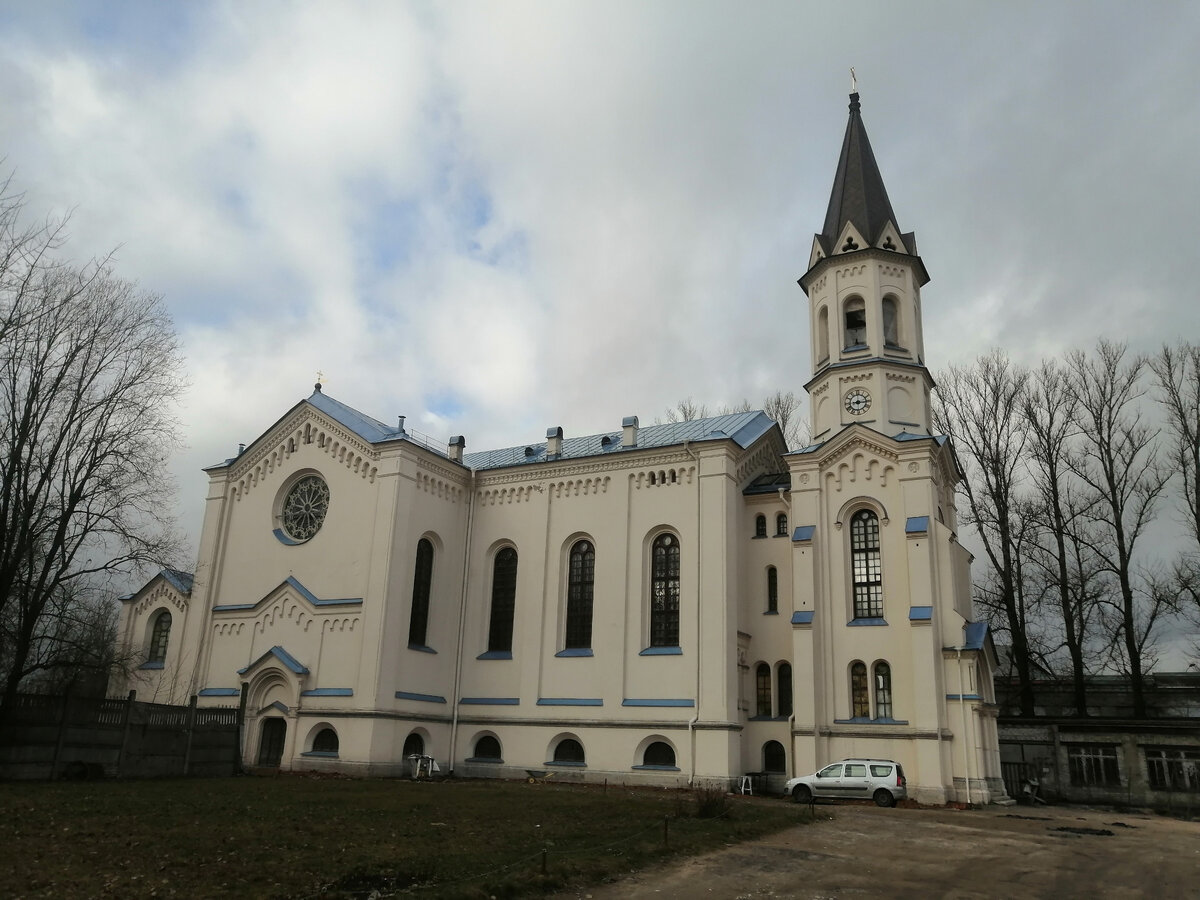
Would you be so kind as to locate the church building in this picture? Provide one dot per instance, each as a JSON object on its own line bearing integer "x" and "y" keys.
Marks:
{"x": 653, "y": 604}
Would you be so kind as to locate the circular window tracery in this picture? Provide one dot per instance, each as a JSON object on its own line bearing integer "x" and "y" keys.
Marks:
{"x": 304, "y": 507}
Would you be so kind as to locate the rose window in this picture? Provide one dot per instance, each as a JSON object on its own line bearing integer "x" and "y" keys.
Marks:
{"x": 305, "y": 507}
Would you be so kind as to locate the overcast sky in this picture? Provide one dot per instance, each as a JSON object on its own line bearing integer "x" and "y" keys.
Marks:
{"x": 494, "y": 218}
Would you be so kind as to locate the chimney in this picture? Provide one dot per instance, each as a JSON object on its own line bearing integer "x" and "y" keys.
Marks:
{"x": 554, "y": 440}
{"x": 629, "y": 430}
{"x": 241, "y": 449}
{"x": 402, "y": 418}
{"x": 458, "y": 443}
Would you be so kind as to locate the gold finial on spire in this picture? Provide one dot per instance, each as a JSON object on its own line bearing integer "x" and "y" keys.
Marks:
{"x": 320, "y": 378}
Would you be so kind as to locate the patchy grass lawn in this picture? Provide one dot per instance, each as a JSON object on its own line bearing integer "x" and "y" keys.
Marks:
{"x": 335, "y": 837}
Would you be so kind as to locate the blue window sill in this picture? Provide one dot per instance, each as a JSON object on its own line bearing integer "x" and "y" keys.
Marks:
{"x": 662, "y": 651}
{"x": 855, "y": 347}
{"x": 422, "y": 698}
{"x": 681, "y": 702}
{"x": 490, "y": 701}
{"x": 920, "y": 614}
{"x": 574, "y": 651}
{"x": 767, "y": 719}
{"x": 495, "y": 654}
{"x": 656, "y": 768}
{"x": 220, "y": 692}
{"x": 566, "y": 762}
{"x": 284, "y": 539}
{"x": 489, "y": 760}
{"x": 771, "y": 612}
{"x": 328, "y": 692}
{"x": 863, "y": 720}
{"x": 570, "y": 701}
{"x": 422, "y": 648}
{"x": 323, "y": 754}
{"x": 785, "y": 534}
{"x": 155, "y": 664}
{"x": 873, "y": 621}
{"x": 759, "y": 537}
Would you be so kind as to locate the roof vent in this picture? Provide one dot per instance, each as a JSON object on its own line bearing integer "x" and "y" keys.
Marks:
{"x": 401, "y": 428}
{"x": 529, "y": 451}
{"x": 554, "y": 440}
{"x": 606, "y": 440}
{"x": 629, "y": 431}
{"x": 454, "y": 451}
{"x": 241, "y": 449}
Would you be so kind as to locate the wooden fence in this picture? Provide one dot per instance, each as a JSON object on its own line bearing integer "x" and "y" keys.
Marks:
{"x": 47, "y": 736}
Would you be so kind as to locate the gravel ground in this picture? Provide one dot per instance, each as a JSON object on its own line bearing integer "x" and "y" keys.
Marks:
{"x": 863, "y": 851}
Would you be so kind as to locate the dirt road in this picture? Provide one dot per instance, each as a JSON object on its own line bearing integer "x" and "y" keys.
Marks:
{"x": 863, "y": 851}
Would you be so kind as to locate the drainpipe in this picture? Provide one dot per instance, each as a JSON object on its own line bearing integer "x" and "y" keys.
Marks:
{"x": 962, "y": 702}
{"x": 687, "y": 448}
{"x": 462, "y": 623}
{"x": 787, "y": 502}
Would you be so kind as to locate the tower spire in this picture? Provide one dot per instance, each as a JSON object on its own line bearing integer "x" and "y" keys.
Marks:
{"x": 858, "y": 195}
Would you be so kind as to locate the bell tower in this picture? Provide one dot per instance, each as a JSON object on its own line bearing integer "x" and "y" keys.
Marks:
{"x": 864, "y": 286}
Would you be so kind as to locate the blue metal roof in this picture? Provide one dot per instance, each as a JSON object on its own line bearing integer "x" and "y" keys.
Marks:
{"x": 742, "y": 428}
{"x": 181, "y": 581}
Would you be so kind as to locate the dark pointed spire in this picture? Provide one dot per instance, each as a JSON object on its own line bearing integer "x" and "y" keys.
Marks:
{"x": 858, "y": 193}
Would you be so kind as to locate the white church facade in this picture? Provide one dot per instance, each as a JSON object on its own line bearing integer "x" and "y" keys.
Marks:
{"x": 651, "y": 604}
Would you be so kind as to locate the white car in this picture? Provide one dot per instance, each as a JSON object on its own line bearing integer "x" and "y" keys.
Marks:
{"x": 881, "y": 780}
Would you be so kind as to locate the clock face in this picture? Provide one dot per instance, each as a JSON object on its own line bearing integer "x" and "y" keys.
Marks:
{"x": 858, "y": 401}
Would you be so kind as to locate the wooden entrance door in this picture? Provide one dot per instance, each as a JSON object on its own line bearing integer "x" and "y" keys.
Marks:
{"x": 270, "y": 744}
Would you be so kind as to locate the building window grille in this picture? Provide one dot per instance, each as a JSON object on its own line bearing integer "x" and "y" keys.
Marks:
{"x": 160, "y": 637}
{"x": 866, "y": 568}
{"x": 883, "y": 691}
{"x": 581, "y": 580}
{"x": 856, "y": 323}
{"x": 785, "y": 689}
{"x": 860, "y": 702}
{"x": 1093, "y": 765}
{"x": 569, "y": 750}
{"x": 760, "y": 526}
{"x": 659, "y": 753}
{"x": 504, "y": 600}
{"x": 762, "y": 678}
{"x": 772, "y": 589}
{"x": 1173, "y": 768}
{"x": 664, "y": 592}
{"x": 418, "y": 622}
{"x": 781, "y": 525}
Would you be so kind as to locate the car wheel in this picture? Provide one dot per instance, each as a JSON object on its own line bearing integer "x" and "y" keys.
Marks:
{"x": 801, "y": 794}
{"x": 884, "y": 798}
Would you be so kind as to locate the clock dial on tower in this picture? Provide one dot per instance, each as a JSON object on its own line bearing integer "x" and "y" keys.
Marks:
{"x": 858, "y": 401}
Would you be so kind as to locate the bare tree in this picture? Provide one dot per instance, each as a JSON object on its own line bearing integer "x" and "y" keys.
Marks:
{"x": 1118, "y": 459}
{"x": 1064, "y": 556}
{"x": 89, "y": 375}
{"x": 784, "y": 408}
{"x": 687, "y": 411}
{"x": 980, "y": 407}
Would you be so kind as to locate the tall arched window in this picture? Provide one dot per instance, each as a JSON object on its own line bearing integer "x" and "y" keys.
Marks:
{"x": 160, "y": 636}
{"x": 774, "y": 757}
{"x": 856, "y": 323}
{"x": 664, "y": 591}
{"x": 860, "y": 702}
{"x": 823, "y": 334}
{"x": 504, "y": 601}
{"x": 760, "y": 526}
{"x": 418, "y": 621}
{"x": 891, "y": 322}
{"x": 581, "y": 578}
{"x": 883, "y": 691}
{"x": 781, "y": 525}
{"x": 762, "y": 680}
{"x": 785, "y": 689}
{"x": 865, "y": 566}
{"x": 772, "y": 590}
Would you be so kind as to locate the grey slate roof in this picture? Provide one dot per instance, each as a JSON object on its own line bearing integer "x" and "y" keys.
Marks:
{"x": 858, "y": 193}
{"x": 743, "y": 428}
{"x": 771, "y": 483}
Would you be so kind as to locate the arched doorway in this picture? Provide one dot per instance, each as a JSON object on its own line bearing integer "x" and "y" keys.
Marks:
{"x": 270, "y": 742}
